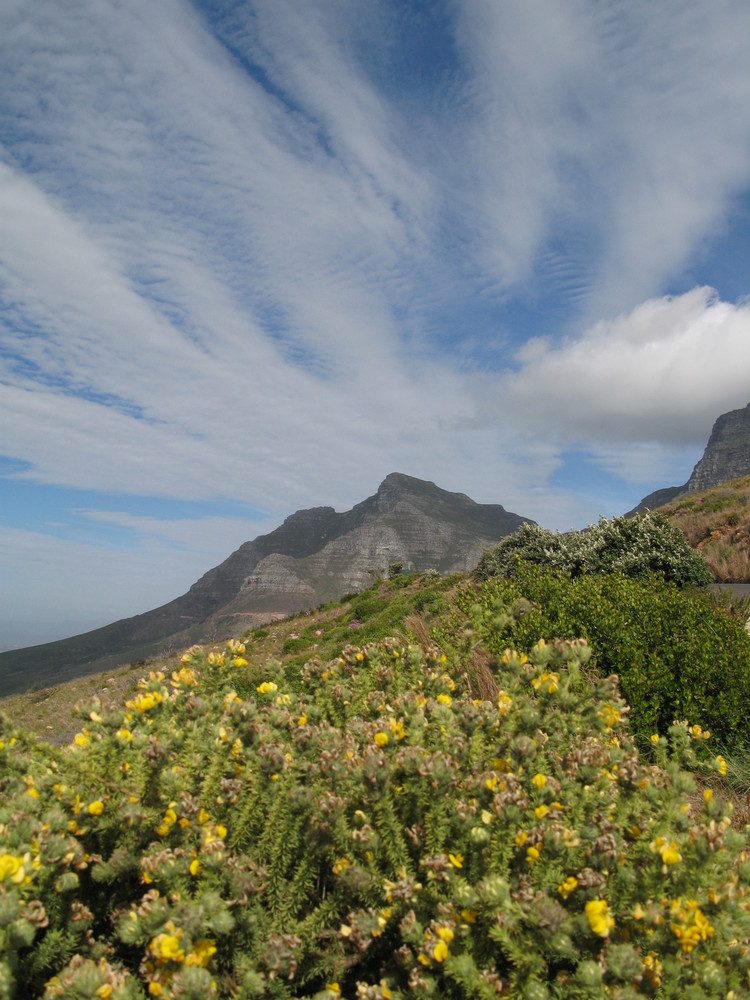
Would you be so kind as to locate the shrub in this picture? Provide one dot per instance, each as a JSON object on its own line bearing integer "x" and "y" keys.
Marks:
{"x": 635, "y": 546}
{"x": 377, "y": 834}
{"x": 677, "y": 653}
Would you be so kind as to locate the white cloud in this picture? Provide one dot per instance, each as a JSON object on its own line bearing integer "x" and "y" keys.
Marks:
{"x": 638, "y": 387}
{"x": 218, "y": 282}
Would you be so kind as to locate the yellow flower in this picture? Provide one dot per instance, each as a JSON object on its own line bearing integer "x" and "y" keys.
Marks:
{"x": 239, "y": 662}
{"x": 195, "y": 867}
{"x": 457, "y": 860}
{"x": 547, "y": 682}
{"x": 539, "y": 781}
{"x": 96, "y": 808}
{"x": 12, "y": 867}
{"x": 541, "y": 811}
{"x": 469, "y": 916}
{"x": 569, "y": 885}
{"x": 334, "y": 988}
{"x": 669, "y": 853}
{"x": 381, "y": 739}
{"x": 654, "y": 738}
{"x": 440, "y": 951}
{"x": 504, "y": 702}
{"x": 267, "y": 687}
{"x": 610, "y": 715}
{"x": 104, "y": 991}
{"x": 202, "y": 953}
{"x": 721, "y": 765}
{"x": 445, "y": 934}
{"x": 340, "y": 865}
{"x": 707, "y": 796}
{"x": 520, "y": 838}
{"x": 600, "y": 919}
{"x": 166, "y": 947}
{"x": 124, "y": 734}
{"x": 81, "y": 740}
{"x": 444, "y": 699}
{"x": 532, "y": 855}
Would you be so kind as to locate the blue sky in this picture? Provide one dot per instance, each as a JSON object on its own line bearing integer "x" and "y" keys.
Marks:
{"x": 254, "y": 256}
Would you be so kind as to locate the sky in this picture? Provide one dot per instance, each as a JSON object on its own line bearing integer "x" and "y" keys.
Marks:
{"x": 255, "y": 256}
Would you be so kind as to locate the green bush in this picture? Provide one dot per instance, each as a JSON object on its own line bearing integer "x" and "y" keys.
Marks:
{"x": 677, "y": 654}
{"x": 635, "y": 546}
{"x": 379, "y": 832}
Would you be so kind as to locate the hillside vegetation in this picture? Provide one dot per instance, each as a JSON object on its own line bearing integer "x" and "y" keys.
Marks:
{"x": 717, "y": 524}
{"x": 415, "y": 792}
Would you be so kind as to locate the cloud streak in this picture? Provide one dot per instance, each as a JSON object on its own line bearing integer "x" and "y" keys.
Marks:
{"x": 253, "y": 251}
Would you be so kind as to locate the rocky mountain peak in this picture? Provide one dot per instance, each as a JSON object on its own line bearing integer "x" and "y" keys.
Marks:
{"x": 726, "y": 457}
{"x": 727, "y": 454}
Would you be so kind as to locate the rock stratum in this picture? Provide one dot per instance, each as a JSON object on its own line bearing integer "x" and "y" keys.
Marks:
{"x": 315, "y": 556}
{"x": 726, "y": 457}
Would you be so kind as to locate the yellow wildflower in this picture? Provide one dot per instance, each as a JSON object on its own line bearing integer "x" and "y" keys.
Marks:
{"x": 166, "y": 948}
{"x": 668, "y": 851}
{"x": 721, "y": 765}
{"x": 654, "y": 738}
{"x": 267, "y": 687}
{"x": 381, "y": 739}
{"x": 444, "y": 699}
{"x": 96, "y": 808}
{"x": 239, "y": 662}
{"x": 539, "y": 781}
{"x": 600, "y": 919}
{"x": 520, "y": 838}
{"x": 195, "y": 867}
{"x": 445, "y": 934}
{"x": 12, "y": 868}
{"x": 532, "y": 855}
{"x": 82, "y": 740}
{"x": 504, "y": 702}
{"x": 202, "y": 953}
{"x": 457, "y": 860}
{"x": 541, "y": 811}
{"x": 440, "y": 951}
{"x": 610, "y": 715}
{"x": 707, "y": 796}
{"x": 569, "y": 885}
{"x": 546, "y": 683}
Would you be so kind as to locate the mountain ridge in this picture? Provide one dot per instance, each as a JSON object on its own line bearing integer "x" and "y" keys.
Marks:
{"x": 725, "y": 457}
{"x": 313, "y": 557}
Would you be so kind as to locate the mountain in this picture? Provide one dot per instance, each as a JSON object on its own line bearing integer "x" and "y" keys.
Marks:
{"x": 727, "y": 457}
{"x": 315, "y": 556}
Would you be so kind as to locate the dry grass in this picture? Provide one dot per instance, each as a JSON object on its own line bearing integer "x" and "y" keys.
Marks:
{"x": 717, "y": 524}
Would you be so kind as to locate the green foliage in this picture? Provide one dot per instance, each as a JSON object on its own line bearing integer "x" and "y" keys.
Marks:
{"x": 677, "y": 653}
{"x": 374, "y": 830}
{"x": 635, "y": 546}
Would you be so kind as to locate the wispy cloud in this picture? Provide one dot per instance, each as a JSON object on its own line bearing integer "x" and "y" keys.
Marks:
{"x": 271, "y": 252}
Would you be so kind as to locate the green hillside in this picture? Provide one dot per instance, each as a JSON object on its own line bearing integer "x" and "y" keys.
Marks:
{"x": 409, "y": 793}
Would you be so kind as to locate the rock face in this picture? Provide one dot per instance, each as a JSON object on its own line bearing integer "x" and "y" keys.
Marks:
{"x": 315, "y": 556}
{"x": 727, "y": 454}
{"x": 727, "y": 457}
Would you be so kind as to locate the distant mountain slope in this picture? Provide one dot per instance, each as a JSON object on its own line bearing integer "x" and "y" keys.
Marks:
{"x": 315, "y": 556}
{"x": 726, "y": 457}
{"x": 716, "y": 522}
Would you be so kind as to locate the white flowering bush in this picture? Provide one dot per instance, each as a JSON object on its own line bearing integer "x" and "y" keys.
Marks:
{"x": 636, "y": 547}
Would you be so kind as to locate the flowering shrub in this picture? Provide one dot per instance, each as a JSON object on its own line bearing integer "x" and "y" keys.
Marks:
{"x": 677, "y": 654}
{"x": 636, "y": 546}
{"x": 375, "y": 831}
